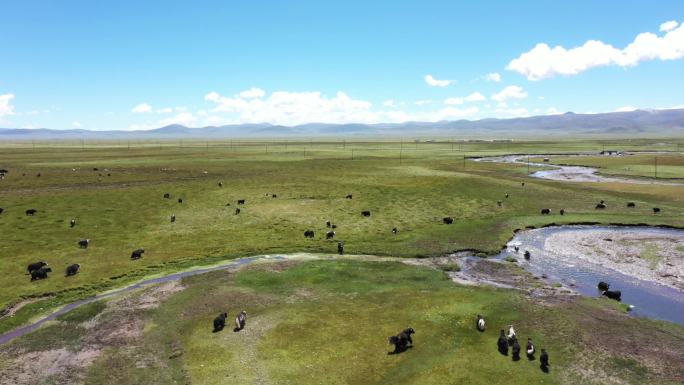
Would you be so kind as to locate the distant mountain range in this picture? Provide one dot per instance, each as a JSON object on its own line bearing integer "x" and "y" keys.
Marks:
{"x": 642, "y": 123}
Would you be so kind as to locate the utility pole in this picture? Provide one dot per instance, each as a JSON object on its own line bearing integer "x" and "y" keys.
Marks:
{"x": 464, "y": 158}
{"x": 352, "y": 154}
{"x": 528, "y": 165}
{"x": 400, "y": 150}
{"x": 656, "y": 167}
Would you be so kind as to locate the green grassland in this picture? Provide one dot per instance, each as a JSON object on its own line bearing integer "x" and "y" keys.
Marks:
{"x": 327, "y": 322}
{"x": 410, "y": 186}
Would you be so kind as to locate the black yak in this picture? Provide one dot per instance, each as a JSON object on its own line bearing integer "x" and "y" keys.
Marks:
{"x": 220, "y": 322}
{"x": 137, "y": 254}
{"x": 402, "y": 340}
{"x": 30, "y": 212}
{"x": 309, "y": 234}
{"x": 72, "y": 269}
{"x": 365, "y": 213}
{"x": 40, "y": 273}
{"x": 448, "y": 220}
{"x": 35, "y": 266}
{"x": 84, "y": 243}
{"x": 546, "y": 211}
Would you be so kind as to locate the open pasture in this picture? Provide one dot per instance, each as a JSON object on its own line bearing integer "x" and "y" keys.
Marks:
{"x": 404, "y": 184}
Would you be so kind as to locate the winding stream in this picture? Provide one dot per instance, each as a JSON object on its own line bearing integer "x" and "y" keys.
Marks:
{"x": 568, "y": 173}
{"x": 650, "y": 299}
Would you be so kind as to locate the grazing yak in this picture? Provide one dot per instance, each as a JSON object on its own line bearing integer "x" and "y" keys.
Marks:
{"x": 480, "y": 323}
{"x": 41, "y": 273}
{"x": 448, "y": 220}
{"x": 544, "y": 359}
{"x": 498, "y": 203}
{"x": 506, "y": 195}
{"x": 546, "y": 211}
{"x": 613, "y": 294}
{"x": 309, "y": 234}
{"x": 35, "y": 266}
{"x": 220, "y": 322}
{"x": 511, "y": 334}
{"x": 1, "y": 210}
{"x": 180, "y": 200}
{"x": 273, "y": 196}
{"x": 72, "y": 269}
{"x": 349, "y": 196}
{"x": 237, "y": 210}
{"x": 340, "y": 248}
{"x": 84, "y": 243}
{"x": 365, "y": 213}
{"x": 600, "y": 206}
{"x": 137, "y": 254}
{"x": 327, "y": 224}
{"x": 631, "y": 205}
{"x": 656, "y": 210}
{"x": 167, "y": 196}
{"x": 241, "y": 201}
{"x": 394, "y": 231}
{"x": 329, "y": 235}
{"x": 527, "y": 256}
{"x": 402, "y": 340}
{"x": 72, "y": 223}
{"x": 220, "y": 184}
{"x": 30, "y": 212}
{"x": 562, "y": 212}
{"x": 515, "y": 349}
{"x": 240, "y": 321}
{"x": 173, "y": 218}
{"x": 530, "y": 349}
{"x": 502, "y": 343}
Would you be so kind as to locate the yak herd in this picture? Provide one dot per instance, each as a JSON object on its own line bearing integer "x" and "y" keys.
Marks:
{"x": 401, "y": 341}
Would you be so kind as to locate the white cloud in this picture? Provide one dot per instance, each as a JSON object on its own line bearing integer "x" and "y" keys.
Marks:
{"x": 142, "y": 108}
{"x": 423, "y": 102}
{"x": 388, "y": 103}
{"x": 6, "y": 107}
{"x": 475, "y": 97}
{"x": 252, "y": 93}
{"x": 493, "y": 77}
{"x": 166, "y": 110}
{"x": 510, "y": 92}
{"x": 431, "y": 81}
{"x": 76, "y": 124}
{"x": 543, "y": 62}
{"x": 293, "y": 108}
{"x": 668, "y": 26}
{"x": 625, "y": 109}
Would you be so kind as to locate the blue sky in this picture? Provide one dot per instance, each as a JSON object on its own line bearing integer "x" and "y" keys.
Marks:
{"x": 143, "y": 64}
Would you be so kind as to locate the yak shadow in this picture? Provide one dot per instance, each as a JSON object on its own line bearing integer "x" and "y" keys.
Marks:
{"x": 531, "y": 357}
{"x": 400, "y": 350}
{"x": 216, "y": 330}
{"x": 544, "y": 368}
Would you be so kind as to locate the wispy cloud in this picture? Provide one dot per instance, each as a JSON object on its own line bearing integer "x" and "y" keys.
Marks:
{"x": 544, "y": 62}
{"x": 6, "y": 107}
{"x": 142, "y": 108}
{"x": 510, "y": 92}
{"x": 431, "y": 81}
{"x": 493, "y": 77}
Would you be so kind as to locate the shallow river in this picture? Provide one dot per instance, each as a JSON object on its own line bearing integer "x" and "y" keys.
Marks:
{"x": 650, "y": 299}
{"x": 568, "y": 173}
